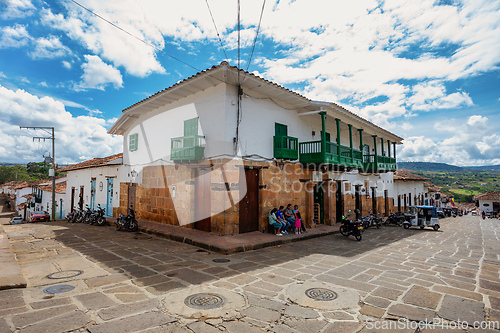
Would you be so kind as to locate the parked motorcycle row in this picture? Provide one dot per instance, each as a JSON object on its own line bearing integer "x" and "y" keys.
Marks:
{"x": 96, "y": 217}
{"x": 418, "y": 216}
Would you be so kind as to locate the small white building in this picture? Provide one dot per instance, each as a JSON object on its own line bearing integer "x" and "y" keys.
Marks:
{"x": 410, "y": 189}
{"x": 488, "y": 202}
{"x": 93, "y": 182}
{"x": 60, "y": 196}
{"x": 432, "y": 196}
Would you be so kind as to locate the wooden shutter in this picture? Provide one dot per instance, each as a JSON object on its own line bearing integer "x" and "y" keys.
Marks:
{"x": 191, "y": 127}
{"x": 280, "y": 129}
{"x": 132, "y": 142}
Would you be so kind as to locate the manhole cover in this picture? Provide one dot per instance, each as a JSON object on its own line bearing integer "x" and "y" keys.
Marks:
{"x": 64, "y": 274}
{"x": 221, "y": 260}
{"x": 61, "y": 288}
{"x": 205, "y": 301}
{"x": 321, "y": 294}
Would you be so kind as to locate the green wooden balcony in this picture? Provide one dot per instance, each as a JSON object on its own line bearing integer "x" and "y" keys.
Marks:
{"x": 310, "y": 152}
{"x": 187, "y": 149}
{"x": 286, "y": 147}
{"x": 375, "y": 163}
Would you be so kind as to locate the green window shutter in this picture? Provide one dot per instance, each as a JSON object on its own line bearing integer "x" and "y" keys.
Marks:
{"x": 280, "y": 129}
{"x": 132, "y": 141}
{"x": 191, "y": 127}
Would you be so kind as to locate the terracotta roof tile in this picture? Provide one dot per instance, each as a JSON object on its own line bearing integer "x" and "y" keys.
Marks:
{"x": 93, "y": 163}
{"x": 432, "y": 187}
{"x": 488, "y": 196}
{"x": 59, "y": 187}
{"x": 406, "y": 175}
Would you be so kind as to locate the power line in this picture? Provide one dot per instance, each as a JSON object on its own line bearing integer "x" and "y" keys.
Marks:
{"x": 216, "y": 30}
{"x": 256, "y": 35}
{"x": 140, "y": 39}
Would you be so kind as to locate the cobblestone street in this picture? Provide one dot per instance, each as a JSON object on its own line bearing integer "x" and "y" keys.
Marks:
{"x": 130, "y": 282}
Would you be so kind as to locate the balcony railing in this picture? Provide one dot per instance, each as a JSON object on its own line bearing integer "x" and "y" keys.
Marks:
{"x": 310, "y": 152}
{"x": 286, "y": 147}
{"x": 187, "y": 148}
{"x": 375, "y": 163}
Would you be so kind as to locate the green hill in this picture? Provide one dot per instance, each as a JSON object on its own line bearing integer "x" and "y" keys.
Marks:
{"x": 430, "y": 167}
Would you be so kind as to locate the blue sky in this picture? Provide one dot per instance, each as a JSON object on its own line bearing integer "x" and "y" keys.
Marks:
{"x": 425, "y": 70}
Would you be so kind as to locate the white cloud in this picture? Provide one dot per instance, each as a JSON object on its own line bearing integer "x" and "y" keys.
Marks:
{"x": 66, "y": 65}
{"x": 44, "y": 84}
{"x": 431, "y": 95}
{"x": 16, "y": 36}
{"x": 469, "y": 143}
{"x": 97, "y": 74}
{"x": 75, "y": 136}
{"x": 16, "y": 8}
{"x": 2, "y": 75}
{"x": 25, "y": 80}
{"x": 49, "y": 48}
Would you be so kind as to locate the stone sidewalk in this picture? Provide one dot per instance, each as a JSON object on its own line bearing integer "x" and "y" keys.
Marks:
{"x": 11, "y": 275}
{"x": 134, "y": 282}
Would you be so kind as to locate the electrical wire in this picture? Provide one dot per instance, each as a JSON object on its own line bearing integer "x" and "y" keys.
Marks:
{"x": 216, "y": 30}
{"x": 256, "y": 35}
{"x": 140, "y": 39}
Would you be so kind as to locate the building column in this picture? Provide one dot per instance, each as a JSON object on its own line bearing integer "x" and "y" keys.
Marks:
{"x": 337, "y": 121}
{"x": 350, "y": 142}
{"x": 375, "y": 158}
{"x": 382, "y": 145}
{"x": 389, "y": 148}
{"x": 323, "y": 136}
{"x": 360, "y": 130}
{"x": 394, "y": 146}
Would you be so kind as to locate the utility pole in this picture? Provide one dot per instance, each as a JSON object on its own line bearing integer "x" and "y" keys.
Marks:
{"x": 52, "y": 172}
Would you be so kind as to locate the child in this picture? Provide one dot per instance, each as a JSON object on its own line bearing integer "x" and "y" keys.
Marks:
{"x": 298, "y": 224}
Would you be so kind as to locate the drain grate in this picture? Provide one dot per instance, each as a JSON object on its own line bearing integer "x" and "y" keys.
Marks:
{"x": 205, "y": 301}
{"x": 321, "y": 294}
{"x": 59, "y": 289}
{"x": 64, "y": 274}
{"x": 220, "y": 260}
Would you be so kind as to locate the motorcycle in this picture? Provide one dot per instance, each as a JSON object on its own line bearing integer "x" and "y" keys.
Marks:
{"x": 98, "y": 216}
{"x": 394, "y": 219}
{"x": 349, "y": 227}
{"x": 127, "y": 222}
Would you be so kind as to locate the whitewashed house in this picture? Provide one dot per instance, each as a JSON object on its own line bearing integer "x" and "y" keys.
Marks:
{"x": 488, "y": 202}
{"x": 217, "y": 151}
{"x": 60, "y": 190}
{"x": 410, "y": 189}
{"x": 93, "y": 182}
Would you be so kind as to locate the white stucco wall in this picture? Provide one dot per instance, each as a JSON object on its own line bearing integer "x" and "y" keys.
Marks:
{"x": 485, "y": 206}
{"x": 82, "y": 178}
{"x": 410, "y": 188}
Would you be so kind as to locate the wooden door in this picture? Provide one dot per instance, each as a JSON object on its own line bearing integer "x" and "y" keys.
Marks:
{"x": 339, "y": 202}
{"x": 109, "y": 199}
{"x": 72, "y": 199}
{"x": 202, "y": 205}
{"x": 319, "y": 198}
{"x": 249, "y": 205}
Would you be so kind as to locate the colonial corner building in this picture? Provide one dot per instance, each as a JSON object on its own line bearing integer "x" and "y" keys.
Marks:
{"x": 217, "y": 151}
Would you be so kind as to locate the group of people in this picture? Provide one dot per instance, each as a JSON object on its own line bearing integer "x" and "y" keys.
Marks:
{"x": 284, "y": 218}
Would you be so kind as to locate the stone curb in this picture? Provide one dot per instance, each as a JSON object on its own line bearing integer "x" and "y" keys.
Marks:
{"x": 236, "y": 249}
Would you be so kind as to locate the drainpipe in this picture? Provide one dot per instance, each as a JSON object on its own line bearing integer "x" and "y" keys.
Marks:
{"x": 350, "y": 142}
{"x": 337, "y": 120}
{"x": 323, "y": 136}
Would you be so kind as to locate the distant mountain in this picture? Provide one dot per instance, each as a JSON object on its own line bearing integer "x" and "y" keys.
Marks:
{"x": 429, "y": 166}
{"x": 485, "y": 167}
